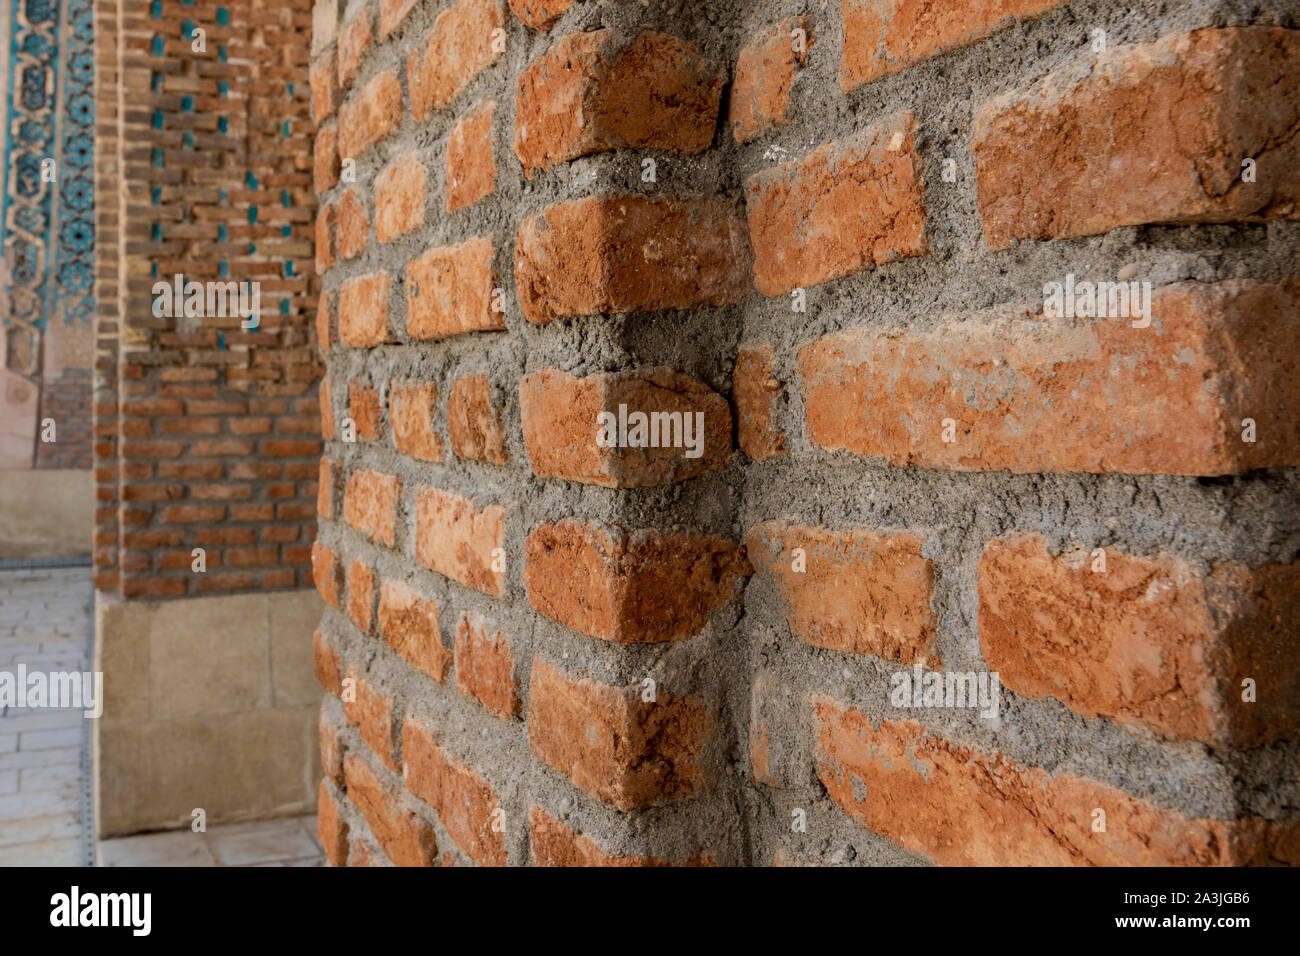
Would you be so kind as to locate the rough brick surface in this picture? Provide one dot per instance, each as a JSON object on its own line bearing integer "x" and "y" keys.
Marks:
{"x": 449, "y": 291}
{"x": 474, "y": 421}
{"x": 765, "y": 72}
{"x": 463, "y": 42}
{"x": 460, "y": 540}
{"x": 471, "y": 165}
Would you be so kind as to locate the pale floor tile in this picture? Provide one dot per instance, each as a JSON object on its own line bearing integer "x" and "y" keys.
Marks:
{"x": 25, "y": 804}
{"x": 268, "y": 841}
{"x": 8, "y": 781}
{"x": 49, "y": 778}
{"x": 49, "y": 739}
{"x": 34, "y": 829}
{"x": 64, "y": 852}
{"x": 23, "y": 759}
{"x": 174, "y": 848}
{"x": 264, "y": 843}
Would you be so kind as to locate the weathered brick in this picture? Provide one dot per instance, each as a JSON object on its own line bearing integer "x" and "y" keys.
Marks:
{"x": 464, "y": 41}
{"x": 354, "y": 227}
{"x": 655, "y": 92}
{"x": 326, "y": 235}
{"x": 363, "y": 310}
{"x": 325, "y": 660}
{"x": 399, "y": 197}
{"x": 630, "y": 587}
{"x": 471, "y": 167}
{"x": 755, "y": 391}
{"x": 409, "y": 623}
{"x": 623, "y": 750}
{"x": 392, "y": 13}
{"x": 324, "y": 89}
{"x": 484, "y": 668}
{"x": 624, "y": 253}
{"x": 554, "y": 844}
{"x": 1073, "y": 157}
{"x": 465, "y": 802}
{"x": 847, "y": 206}
{"x": 325, "y": 159}
{"x": 765, "y": 73}
{"x": 333, "y": 832}
{"x": 474, "y": 422}
{"x": 411, "y": 411}
{"x": 539, "y": 14}
{"x": 354, "y": 39}
{"x": 370, "y": 504}
{"x": 857, "y": 591}
{"x": 942, "y": 796}
{"x": 449, "y": 290}
{"x": 371, "y": 115}
{"x": 363, "y": 409}
{"x": 564, "y": 433}
{"x": 406, "y": 838}
{"x": 459, "y": 540}
{"x": 371, "y": 712}
{"x": 325, "y": 312}
{"x": 1033, "y": 394}
{"x": 884, "y": 36}
{"x": 361, "y": 595}
{"x": 1154, "y": 641}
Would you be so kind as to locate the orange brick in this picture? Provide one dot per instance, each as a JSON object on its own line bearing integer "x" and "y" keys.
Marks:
{"x": 554, "y": 844}
{"x": 564, "y": 430}
{"x": 354, "y": 227}
{"x": 942, "y": 796}
{"x": 464, "y": 41}
{"x": 655, "y": 93}
{"x": 623, "y": 750}
{"x": 325, "y": 310}
{"x": 449, "y": 291}
{"x": 324, "y": 89}
{"x": 461, "y": 541}
{"x": 1155, "y": 641}
{"x": 765, "y": 72}
{"x": 409, "y": 623}
{"x": 326, "y": 410}
{"x": 370, "y": 505}
{"x": 363, "y": 310}
{"x": 355, "y": 38}
{"x": 839, "y": 210}
{"x": 755, "y": 392}
{"x": 332, "y": 746}
{"x": 399, "y": 198}
{"x": 474, "y": 423}
{"x": 471, "y": 167}
{"x": 625, "y": 253}
{"x": 363, "y": 409}
{"x": 392, "y": 13}
{"x": 333, "y": 832}
{"x": 465, "y": 802}
{"x": 411, "y": 411}
{"x": 484, "y": 668}
{"x": 325, "y": 160}
{"x": 406, "y": 838}
{"x": 858, "y": 591}
{"x": 884, "y": 36}
{"x": 327, "y": 572}
{"x": 539, "y": 14}
{"x": 371, "y": 712}
{"x": 630, "y": 587}
{"x": 1089, "y": 396}
{"x": 1073, "y": 158}
{"x": 371, "y": 115}
{"x": 361, "y": 595}
{"x": 326, "y": 236}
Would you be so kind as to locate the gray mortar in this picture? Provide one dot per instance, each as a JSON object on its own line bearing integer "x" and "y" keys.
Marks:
{"x": 1249, "y": 519}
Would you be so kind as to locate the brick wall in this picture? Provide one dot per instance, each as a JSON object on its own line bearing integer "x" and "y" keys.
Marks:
{"x": 206, "y": 428}
{"x": 826, "y": 232}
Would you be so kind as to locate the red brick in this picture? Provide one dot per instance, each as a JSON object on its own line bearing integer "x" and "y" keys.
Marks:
{"x": 363, "y": 310}
{"x": 625, "y": 751}
{"x": 884, "y": 36}
{"x": 861, "y": 592}
{"x": 755, "y": 391}
{"x": 370, "y": 505}
{"x": 371, "y": 712}
{"x": 1074, "y": 157}
{"x": 361, "y": 595}
{"x": 554, "y": 844}
{"x": 1154, "y": 641}
{"x": 539, "y": 14}
{"x": 371, "y": 115}
{"x": 326, "y": 236}
{"x": 327, "y": 429}
{"x": 187, "y": 514}
{"x": 464, "y": 41}
{"x": 392, "y": 13}
{"x": 847, "y": 206}
{"x": 1033, "y": 394}
{"x": 474, "y": 422}
{"x": 406, "y": 838}
{"x": 459, "y": 540}
{"x": 484, "y": 668}
{"x": 409, "y": 623}
{"x": 325, "y": 163}
{"x": 324, "y": 89}
{"x": 363, "y": 409}
{"x": 630, "y": 587}
{"x": 449, "y": 291}
{"x": 332, "y": 746}
{"x": 465, "y": 802}
{"x": 765, "y": 73}
{"x": 411, "y": 411}
{"x": 355, "y": 38}
{"x": 333, "y": 832}
{"x": 592, "y": 93}
{"x": 399, "y": 197}
{"x": 940, "y": 798}
{"x": 354, "y": 227}
{"x": 325, "y": 320}
{"x": 612, "y": 254}
{"x": 153, "y": 587}
{"x": 471, "y": 167}
{"x": 562, "y": 427}
{"x": 327, "y": 572}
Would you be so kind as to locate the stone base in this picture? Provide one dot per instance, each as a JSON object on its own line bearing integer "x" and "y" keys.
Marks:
{"x": 46, "y": 514}
{"x": 209, "y": 703}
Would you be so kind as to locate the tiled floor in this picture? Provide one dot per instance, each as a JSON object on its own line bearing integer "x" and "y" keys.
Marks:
{"x": 45, "y": 620}
{"x": 287, "y": 842}
{"x": 44, "y": 623}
